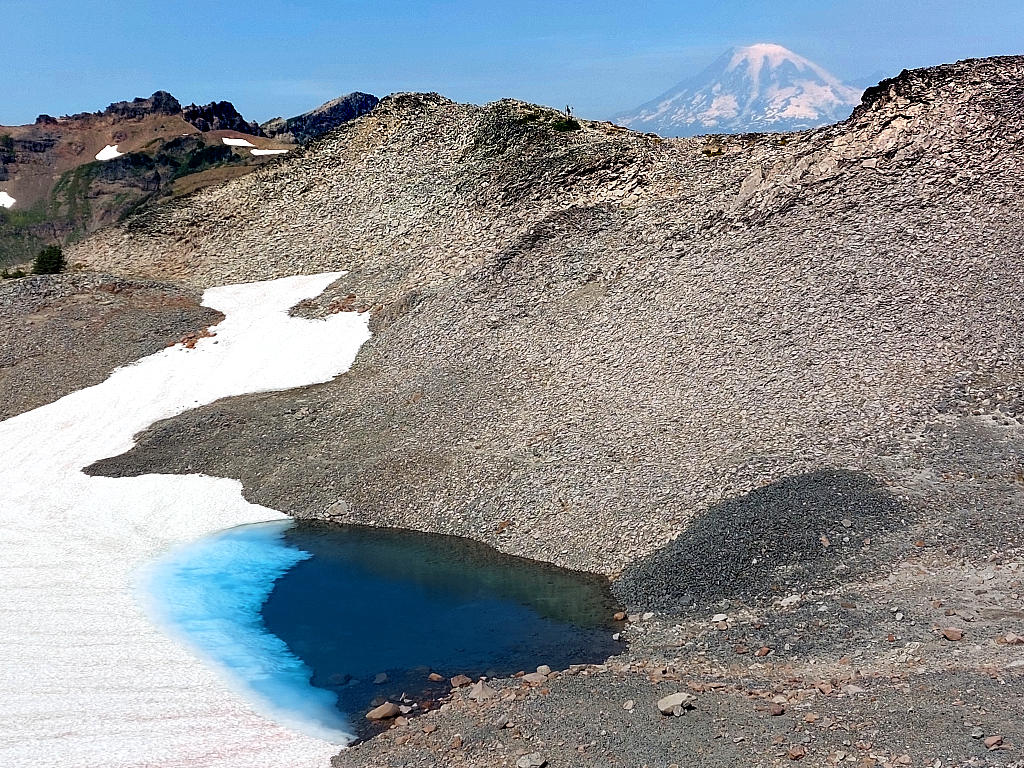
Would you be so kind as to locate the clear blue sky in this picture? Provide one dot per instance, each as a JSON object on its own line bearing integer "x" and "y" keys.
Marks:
{"x": 601, "y": 56}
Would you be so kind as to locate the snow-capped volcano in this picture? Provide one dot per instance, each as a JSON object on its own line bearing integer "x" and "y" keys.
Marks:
{"x": 762, "y": 87}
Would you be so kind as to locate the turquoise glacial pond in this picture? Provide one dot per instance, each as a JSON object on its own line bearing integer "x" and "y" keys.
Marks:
{"x": 315, "y": 624}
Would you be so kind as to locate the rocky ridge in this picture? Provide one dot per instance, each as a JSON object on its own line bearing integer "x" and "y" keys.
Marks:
{"x": 311, "y": 125}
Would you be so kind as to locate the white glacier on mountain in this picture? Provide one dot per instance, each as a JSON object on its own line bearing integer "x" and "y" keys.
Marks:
{"x": 759, "y": 88}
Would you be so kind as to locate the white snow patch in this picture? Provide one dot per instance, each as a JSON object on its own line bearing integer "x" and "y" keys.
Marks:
{"x": 109, "y": 152}
{"x": 88, "y": 680}
{"x": 259, "y": 152}
{"x": 233, "y": 142}
{"x": 6, "y": 201}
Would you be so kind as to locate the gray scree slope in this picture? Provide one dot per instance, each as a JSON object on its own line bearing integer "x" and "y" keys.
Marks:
{"x": 585, "y": 340}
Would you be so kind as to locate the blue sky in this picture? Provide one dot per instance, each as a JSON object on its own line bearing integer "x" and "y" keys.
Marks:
{"x": 281, "y": 58}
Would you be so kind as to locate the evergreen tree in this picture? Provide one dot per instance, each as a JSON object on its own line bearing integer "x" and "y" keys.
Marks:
{"x": 49, "y": 261}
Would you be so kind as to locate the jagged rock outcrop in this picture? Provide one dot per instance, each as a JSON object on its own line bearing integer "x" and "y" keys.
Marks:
{"x": 160, "y": 103}
{"x": 585, "y": 336}
{"x": 220, "y": 116}
{"x": 315, "y": 123}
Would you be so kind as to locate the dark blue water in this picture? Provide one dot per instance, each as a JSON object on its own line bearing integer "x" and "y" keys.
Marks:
{"x": 303, "y": 617}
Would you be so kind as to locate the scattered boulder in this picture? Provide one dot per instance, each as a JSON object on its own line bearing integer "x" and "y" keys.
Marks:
{"x": 676, "y": 704}
{"x": 535, "y": 678}
{"x": 380, "y": 678}
{"x": 543, "y": 669}
{"x": 385, "y": 711}
{"x": 460, "y": 681}
{"x": 434, "y": 677}
{"x": 533, "y": 760}
{"x": 953, "y": 634}
{"x": 481, "y": 691}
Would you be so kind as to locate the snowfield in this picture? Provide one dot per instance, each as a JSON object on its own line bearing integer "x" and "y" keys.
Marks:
{"x": 109, "y": 152}
{"x": 6, "y": 201}
{"x": 259, "y": 152}
{"x": 87, "y": 679}
{"x": 232, "y": 142}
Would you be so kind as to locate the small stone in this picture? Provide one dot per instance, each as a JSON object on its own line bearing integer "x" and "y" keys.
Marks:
{"x": 992, "y": 742}
{"x": 533, "y": 760}
{"x": 775, "y": 709}
{"x": 619, "y": 616}
{"x": 460, "y": 681}
{"x": 719, "y": 617}
{"x": 430, "y": 727}
{"x": 481, "y": 691}
{"x": 674, "y": 703}
{"x": 380, "y": 678}
{"x": 543, "y": 669}
{"x": 764, "y": 650}
{"x": 535, "y": 678}
{"x": 457, "y": 741}
{"x": 383, "y": 712}
{"x": 434, "y": 677}
{"x": 401, "y": 721}
{"x": 501, "y": 721}
{"x": 852, "y": 690}
{"x": 953, "y": 634}
{"x": 797, "y": 752}
{"x": 977, "y": 733}
{"x": 628, "y": 705}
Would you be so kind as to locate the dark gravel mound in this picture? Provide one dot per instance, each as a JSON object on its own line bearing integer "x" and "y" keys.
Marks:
{"x": 806, "y": 531}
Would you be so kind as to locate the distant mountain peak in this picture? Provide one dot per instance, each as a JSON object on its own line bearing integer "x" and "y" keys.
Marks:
{"x": 760, "y": 87}
{"x": 303, "y": 128}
